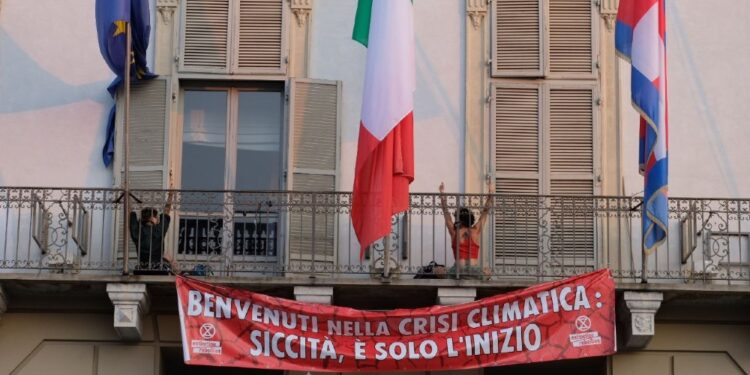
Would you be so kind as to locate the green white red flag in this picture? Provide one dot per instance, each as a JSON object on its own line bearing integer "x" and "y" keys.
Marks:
{"x": 385, "y": 153}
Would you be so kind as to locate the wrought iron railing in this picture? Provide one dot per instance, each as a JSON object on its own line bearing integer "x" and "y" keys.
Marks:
{"x": 287, "y": 234}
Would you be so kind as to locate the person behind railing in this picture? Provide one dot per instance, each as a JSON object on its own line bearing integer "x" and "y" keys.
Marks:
{"x": 465, "y": 235}
{"x": 148, "y": 234}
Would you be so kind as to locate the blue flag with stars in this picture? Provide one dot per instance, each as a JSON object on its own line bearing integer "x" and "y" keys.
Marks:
{"x": 112, "y": 17}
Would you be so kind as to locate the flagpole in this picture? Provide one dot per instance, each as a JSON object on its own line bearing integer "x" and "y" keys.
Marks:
{"x": 126, "y": 136}
{"x": 644, "y": 262}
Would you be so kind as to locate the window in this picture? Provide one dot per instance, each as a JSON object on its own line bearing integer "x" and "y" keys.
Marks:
{"x": 231, "y": 138}
{"x": 231, "y": 141}
{"x": 236, "y": 132}
{"x": 544, "y": 131}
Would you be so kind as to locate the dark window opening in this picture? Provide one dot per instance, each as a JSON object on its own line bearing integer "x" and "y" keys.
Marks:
{"x": 584, "y": 366}
{"x": 173, "y": 364}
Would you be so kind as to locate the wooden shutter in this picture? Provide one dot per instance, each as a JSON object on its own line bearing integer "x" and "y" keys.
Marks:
{"x": 205, "y": 36}
{"x": 570, "y": 36}
{"x": 518, "y": 38}
{"x": 260, "y": 36}
{"x": 313, "y": 164}
{"x": 572, "y": 169}
{"x": 516, "y": 118}
{"x": 233, "y": 36}
{"x": 149, "y": 116}
{"x": 148, "y": 130}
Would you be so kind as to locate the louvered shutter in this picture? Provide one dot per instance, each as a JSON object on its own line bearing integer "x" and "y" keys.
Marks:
{"x": 516, "y": 118}
{"x": 205, "y": 36}
{"x": 148, "y": 130}
{"x": 570, "y": 37}
{"x": 518, "y": 38}
{"x": 149, "y": 108}
{"x": 314, "y": 147}
{"x": 572, "y": 169}
{"x": 260, "y": 36}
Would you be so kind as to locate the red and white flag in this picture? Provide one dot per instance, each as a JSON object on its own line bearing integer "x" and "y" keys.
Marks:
{"x": 385, "y": 154}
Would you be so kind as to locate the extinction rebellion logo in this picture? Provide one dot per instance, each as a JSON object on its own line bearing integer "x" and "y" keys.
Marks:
{"x": 207, "y": 331}
{"x": 583, "y": 323}
{"x": 584, "y": 338}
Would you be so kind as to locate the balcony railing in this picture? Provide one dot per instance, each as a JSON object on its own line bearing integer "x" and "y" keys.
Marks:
{"x": 285, "y": 234}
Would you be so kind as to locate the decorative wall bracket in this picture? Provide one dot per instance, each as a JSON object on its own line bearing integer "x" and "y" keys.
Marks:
{"x": 455, "y": 296}
{"x": 166, "y": 9}
{"x": 301, "y": 10}
{"x": 476, "y": 10}
{"x": 638, "y": 310}
{"x": 131, "y": 303}
{"x": 608, "y": 10}
{"x": 314, "y": 294}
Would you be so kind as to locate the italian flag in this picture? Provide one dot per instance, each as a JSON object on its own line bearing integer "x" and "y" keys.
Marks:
{"x": 385, "y": 153}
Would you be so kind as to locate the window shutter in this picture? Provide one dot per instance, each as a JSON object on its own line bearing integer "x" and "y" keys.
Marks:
{"x": 148, "y": 130}
{"x": 570, "y": 36}
{"x": 149, "y": 108}
{"x": 572, "y": 159}
{"x": 260, "y": 36}
{"x": 205, "y": 36}
{"x": 314, "y": 147}
{"x": 516, "y": 119}
{"x": 233, "y": 36}
{"x": 571, "y": 136}
{"x": 518, "y": 39}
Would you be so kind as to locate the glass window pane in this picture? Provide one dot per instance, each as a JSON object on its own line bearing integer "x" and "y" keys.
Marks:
{"x": 204, "y": 137}
{"x": 259, "y": 141}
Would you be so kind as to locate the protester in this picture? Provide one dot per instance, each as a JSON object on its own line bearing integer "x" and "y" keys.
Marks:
{"x": 148, "y": 234}
{"x": 465, "y": 235}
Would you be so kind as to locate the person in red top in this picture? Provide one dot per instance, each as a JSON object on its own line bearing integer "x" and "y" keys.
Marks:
{"x": 465, "y": 235}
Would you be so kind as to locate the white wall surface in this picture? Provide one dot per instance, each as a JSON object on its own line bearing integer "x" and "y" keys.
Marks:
{"x": 438, "y": 101}
{"x": 709, "y": 105}
{"x": 53, "y": 103}
{"x": 53, "y": 98}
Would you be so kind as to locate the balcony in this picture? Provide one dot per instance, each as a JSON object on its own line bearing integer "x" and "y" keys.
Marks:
{"x": 248, "y": 236}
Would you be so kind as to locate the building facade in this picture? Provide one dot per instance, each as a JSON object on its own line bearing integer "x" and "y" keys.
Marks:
{"x": 252, "y": 125}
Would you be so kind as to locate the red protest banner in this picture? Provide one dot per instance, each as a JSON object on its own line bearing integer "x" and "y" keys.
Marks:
{"x": 566, "y": 319}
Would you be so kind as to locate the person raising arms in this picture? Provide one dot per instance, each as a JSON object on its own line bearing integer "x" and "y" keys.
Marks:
{"x": 465, "y": 233}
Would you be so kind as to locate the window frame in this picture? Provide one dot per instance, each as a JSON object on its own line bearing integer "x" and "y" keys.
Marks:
{"x": 233, "y": 89}
{"x": 230, "y": 158}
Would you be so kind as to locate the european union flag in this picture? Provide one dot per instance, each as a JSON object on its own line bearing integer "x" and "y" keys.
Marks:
{"x": 112, "y": 17}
